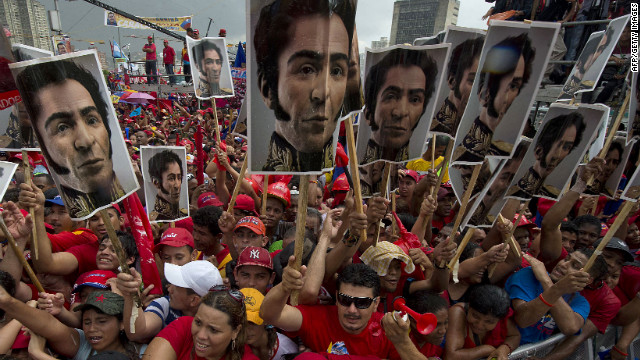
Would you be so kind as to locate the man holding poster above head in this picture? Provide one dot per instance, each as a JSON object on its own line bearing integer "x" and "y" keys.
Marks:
{"x": 506, "y": 69}
{"x": 67, "y": 103}
{"x": 209, "y": 57}
{"x": 302, "y": 50}
{"x": 397, "y": 91}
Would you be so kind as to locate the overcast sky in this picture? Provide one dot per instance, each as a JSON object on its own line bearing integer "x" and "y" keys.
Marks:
{"x": 85, "y": 22}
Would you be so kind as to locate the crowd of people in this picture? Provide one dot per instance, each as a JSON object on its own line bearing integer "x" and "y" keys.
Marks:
{"x": 228, "y": 274}
{"x": 230, "y": 287}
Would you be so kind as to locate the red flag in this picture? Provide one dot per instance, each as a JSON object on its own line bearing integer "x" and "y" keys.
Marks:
{"x": 199, "y": 156}
{"x": 342, "y": 159}
{"x": 141, "y": 230}
{"x": 167, "y": 105}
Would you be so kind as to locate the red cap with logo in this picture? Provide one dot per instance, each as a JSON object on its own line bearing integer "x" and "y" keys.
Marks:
{"x": 255, "y": 256}
{"x": 175, "y": 237}
{"x": 280, "y": 191}
{"x": 412, "y": 174}
{"x": 341, "y": 183}
{"x": 208, "y": 199}
{"x": 253, "y": 223}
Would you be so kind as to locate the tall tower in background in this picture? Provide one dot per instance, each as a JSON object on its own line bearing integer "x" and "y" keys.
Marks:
{"x": 419, "y": 18}
{"x": 27, "y": 21}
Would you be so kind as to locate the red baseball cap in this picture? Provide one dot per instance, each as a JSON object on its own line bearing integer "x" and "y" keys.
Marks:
{"x": 245, "y": 203}
{"x": 175, "y": 237}
{"x": 208, "y": 199}
{"x": 186, "y": 223}
{"x": 96, "y": 278}
{"x": 413, "y": 174}
{"x": 149, "y": 37}
{"x": 253, "y": 223}
{"x": 255, "y": 256}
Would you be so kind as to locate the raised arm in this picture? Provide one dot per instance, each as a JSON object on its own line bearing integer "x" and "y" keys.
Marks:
{"x": 274, "y": 309}
{"x": 147, "y": 324}
{"x": 63, "y": 339}
{"x": 60, "y": 263}
{"x": 315, "y": 271}
{"x": 550, "y": 235}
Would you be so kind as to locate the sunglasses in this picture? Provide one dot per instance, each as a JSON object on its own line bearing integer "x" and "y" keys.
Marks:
{"x": 360, "y": 302}
{"x": 235, "y": 294}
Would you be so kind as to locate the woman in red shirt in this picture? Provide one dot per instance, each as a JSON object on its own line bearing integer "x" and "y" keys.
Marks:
{"x": 483, "y": 328}
{"x": 217, "y": 331}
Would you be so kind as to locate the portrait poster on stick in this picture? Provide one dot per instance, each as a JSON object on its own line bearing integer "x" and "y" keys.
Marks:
{"x": 617, "y": 160}
{"x": 165, "y": 182}
{"x": 491, "y": 200}
{"x": 632, "y": 190}
{"x": 557, "y": 149}
{"x": 210, "y": 68}
{"x": 460, "y": 177}
{"x": 634, "y": 108}
{"x": 67, "y": 101}
{"x": 241, "y": 122}
{"x": 593, "y": 58}
{"x": 455, "y": 89}
{"x": 7, "y": 169}
{"x": 297, "y": 77}
{"x": 400, "y": 87}
{"x": 16, "y": 133}
{"x": 509, "y": 73}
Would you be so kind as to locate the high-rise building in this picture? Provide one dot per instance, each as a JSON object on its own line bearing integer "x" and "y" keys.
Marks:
{"x": 420, "y": 18}
{"x": 379, "y": 44}
{"x": 27, "y": 21}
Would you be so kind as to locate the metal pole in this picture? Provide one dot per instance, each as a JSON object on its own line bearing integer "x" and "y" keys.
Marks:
{"x": 208, "y": 27}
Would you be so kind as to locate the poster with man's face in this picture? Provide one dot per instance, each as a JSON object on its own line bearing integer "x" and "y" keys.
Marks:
{"x": 593, "y": 59}
{"x": 460, "y": 177}
{"x": 241, "y": 122}
{"x": 491, "y": 200}
{"x": 165, "y": 182}
{"x": 7, "y": 169}
{"x": 15, "y": 127}
{"x": 466, "y": 46}
{"x": 560, "y": 143}
{"x": 299, "y": 59}
{"x": 400, "y": 90}
{"x": 67, "y": 101}
{"x": 509, "y": 73}
{"x": 633, "y": 127}
{"x": 632, "y": 190}
{"x": 210, "y": 68}
{"x": 617, "y": 160}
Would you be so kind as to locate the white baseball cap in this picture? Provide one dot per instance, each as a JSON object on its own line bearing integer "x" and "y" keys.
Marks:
{"x": 199, "y": 276}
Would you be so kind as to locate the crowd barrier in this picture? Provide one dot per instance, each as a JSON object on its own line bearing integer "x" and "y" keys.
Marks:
{"x": 588, "y": 350}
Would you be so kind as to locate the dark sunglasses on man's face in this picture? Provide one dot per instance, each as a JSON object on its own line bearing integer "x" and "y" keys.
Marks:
{"x": 360, "y": 302}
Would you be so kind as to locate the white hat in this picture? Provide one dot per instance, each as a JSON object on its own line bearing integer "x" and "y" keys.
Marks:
{"x": 199, "y": 276}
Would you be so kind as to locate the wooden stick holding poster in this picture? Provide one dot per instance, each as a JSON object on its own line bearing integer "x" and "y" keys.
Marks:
{"x": 216, "y": 127}
{"x": 611, "y": 135}
{"x": 622, "y": 217}
{"x": 27, "y": 179}
{"x": 236, "y": 189}
{"x": 122, "y": 260}
{"x": 20, "y": 256}
{"x": 383, "y": 193}
{"x": 463, "y": 206}
{"x": 265, "y": 188}
{"x": 353, "y": 167}
{"x": 301, "y": 222}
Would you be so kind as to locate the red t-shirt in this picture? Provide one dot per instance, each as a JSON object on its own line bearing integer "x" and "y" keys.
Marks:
{"x": 629, "y": 284}
{"x": 86, "y": 256}
{"x": 321, "y": 329}
{"x": 168, "y": 55}
{"x": 604, "y": 305}
{"x": 150, "y": 55}
{"x": 65, "y": 240}
{"x": 178, "y": 334}
{"x": 428, "y": 349}
{"x": 495, "y": 337}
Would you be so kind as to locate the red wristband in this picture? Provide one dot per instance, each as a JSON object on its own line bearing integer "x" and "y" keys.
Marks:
{"x": 619, "y": 351}
{"x": 545, "y": 301}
